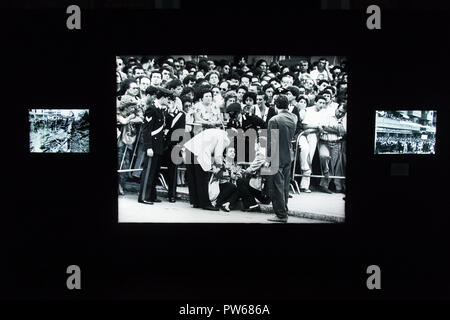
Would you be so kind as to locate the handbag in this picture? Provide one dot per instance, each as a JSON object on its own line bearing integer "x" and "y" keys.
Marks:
{"x": 213, "y": 189}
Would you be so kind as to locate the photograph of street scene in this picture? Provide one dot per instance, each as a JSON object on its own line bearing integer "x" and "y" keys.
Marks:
{"x": 59, "y": 130}
{"x": 231, "y": 139}
{"x": 405, "y": 132}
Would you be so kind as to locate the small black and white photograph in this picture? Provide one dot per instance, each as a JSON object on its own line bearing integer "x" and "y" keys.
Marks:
{"x": 405, "y": 131}
{"x": 59, "y": 130}
{"x": 196, "y": 141}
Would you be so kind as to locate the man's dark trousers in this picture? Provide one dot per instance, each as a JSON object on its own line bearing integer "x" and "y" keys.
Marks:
{"x": 149, "y": 177}
{"x": 279, "y": 190}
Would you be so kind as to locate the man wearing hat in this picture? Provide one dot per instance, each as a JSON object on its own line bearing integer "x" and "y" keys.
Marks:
{"x": 153, "y": 132}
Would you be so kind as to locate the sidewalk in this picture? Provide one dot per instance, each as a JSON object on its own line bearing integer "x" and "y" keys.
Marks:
{"x": 314, "y": 205}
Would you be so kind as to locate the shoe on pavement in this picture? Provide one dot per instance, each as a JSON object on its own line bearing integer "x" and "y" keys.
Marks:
{"x": 325, "y": 190}
{"x": 156, "y": 200}
{"x": 305, "y": 190}
{"x": 278, "y": 219}
{"x": 145, "y": 201}
{"x": 172, "y": 200}
{"x": 225, "y": 208}
{"x": 211, "y": 208}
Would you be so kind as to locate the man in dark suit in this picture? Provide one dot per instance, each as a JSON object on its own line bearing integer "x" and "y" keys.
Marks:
{"x": 285, "y": 122}
{"x": 175, "y": 120}
{"x": 153, "y": 132}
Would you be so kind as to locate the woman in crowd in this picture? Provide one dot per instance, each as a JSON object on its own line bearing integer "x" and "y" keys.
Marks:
{"x": 206, "y": 112}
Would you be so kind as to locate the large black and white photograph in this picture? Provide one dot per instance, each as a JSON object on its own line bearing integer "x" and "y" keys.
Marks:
{"x": 405, "y": 131}
{"x": 231, "y": 139}
{"x": 59, "y": 130}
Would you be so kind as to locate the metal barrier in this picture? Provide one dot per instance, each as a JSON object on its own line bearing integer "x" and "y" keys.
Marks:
{"x": 294, "y": 175}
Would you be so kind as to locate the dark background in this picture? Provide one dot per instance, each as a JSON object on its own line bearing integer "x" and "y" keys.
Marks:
{"x": 61, "y": 209}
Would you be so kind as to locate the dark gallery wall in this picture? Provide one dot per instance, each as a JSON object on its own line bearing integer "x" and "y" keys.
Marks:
{"x": 62, "y": 209}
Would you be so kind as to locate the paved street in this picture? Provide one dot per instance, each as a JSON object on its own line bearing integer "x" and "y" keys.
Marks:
{"x": 182, "y": 212}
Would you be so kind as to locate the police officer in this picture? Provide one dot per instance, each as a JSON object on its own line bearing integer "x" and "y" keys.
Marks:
{"x": 153, "y": 132}
{"x": 175, "y": 119}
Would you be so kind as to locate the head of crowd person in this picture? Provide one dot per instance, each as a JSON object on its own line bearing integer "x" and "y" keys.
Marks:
{"x": 261, "y": 66}
{"x": 266, "y": 78}
{"x": 119, "y": 64}
{"x": 129, "y": 87}
{"x": 341, "y": 88}
{"x": 213, "y": 78}
{"x": 285, "y": 69}
{"x": 235, "y": 79}
{"x": 332, "y": 89}
{"x": 155, "y": 78}
{"x": 188, "y": 91}
{"x": 274, "y": 68}
{"x": 191, "y": 67}
{"x": 230, "y": 97}
{"x": 175, "y": 86}
{"x": 119, "y": 79}
{"x": 189, "y": 80}
{"x": 245, "y": 80}
{"x": 320, "y": 102}
{"x": 201, "y": 82}
{"x": 183, "y": 74}
{"x": 177, "y": 66}
{"x": 138, "y": 71}
{"x": 211, "y": 64}
{"x": 291, "y": 92}
{"x": 186, "y": 102}
{"x": 128, "y": 71}
{"x": 336, "y": 71}
{"x": 302, "y": 102}
{"x": 322, "y": 85}
{"x": 287, "y": 80}
{"x": 343, "y": 77}
{"x": 204, "y": 95}
{"x": 242, "y": 90}
{"x": 282, "y": 102}
{"x": 327, "y": 95}
{"x": 144, "y": 83}
{"x": 261, "y": 99}
{"x": 269, "y": 90}
{"x": 224, "y": 86}
{"x": 301, "y": 90}
{"x": 199, "y": 75}
{"x": 182, "y": 62}
{"x": 308, "y": 83}
{"x": 230, "y": 153}
{"x": 234, "y": 110}
{"x": 166, "y": 74}
{"x": 304, "y": 66}
{"x": 216, "y": 92}
{"x": 275, "y": 84}
{"x": 341, "y": 110}
{"x": 321, "y": 64}
{"x": 253, "y": 87}
{"x": 151, "y": 92}
{"x": 249, "y": 99}
{"x": 240, "y": 61}
{"x": 226, "y": 70}
{"x": 165, "y": 97}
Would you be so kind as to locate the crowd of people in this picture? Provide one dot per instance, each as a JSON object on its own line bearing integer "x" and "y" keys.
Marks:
{"x": 408, "y": 144}
{"x": 214, "y": 104}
